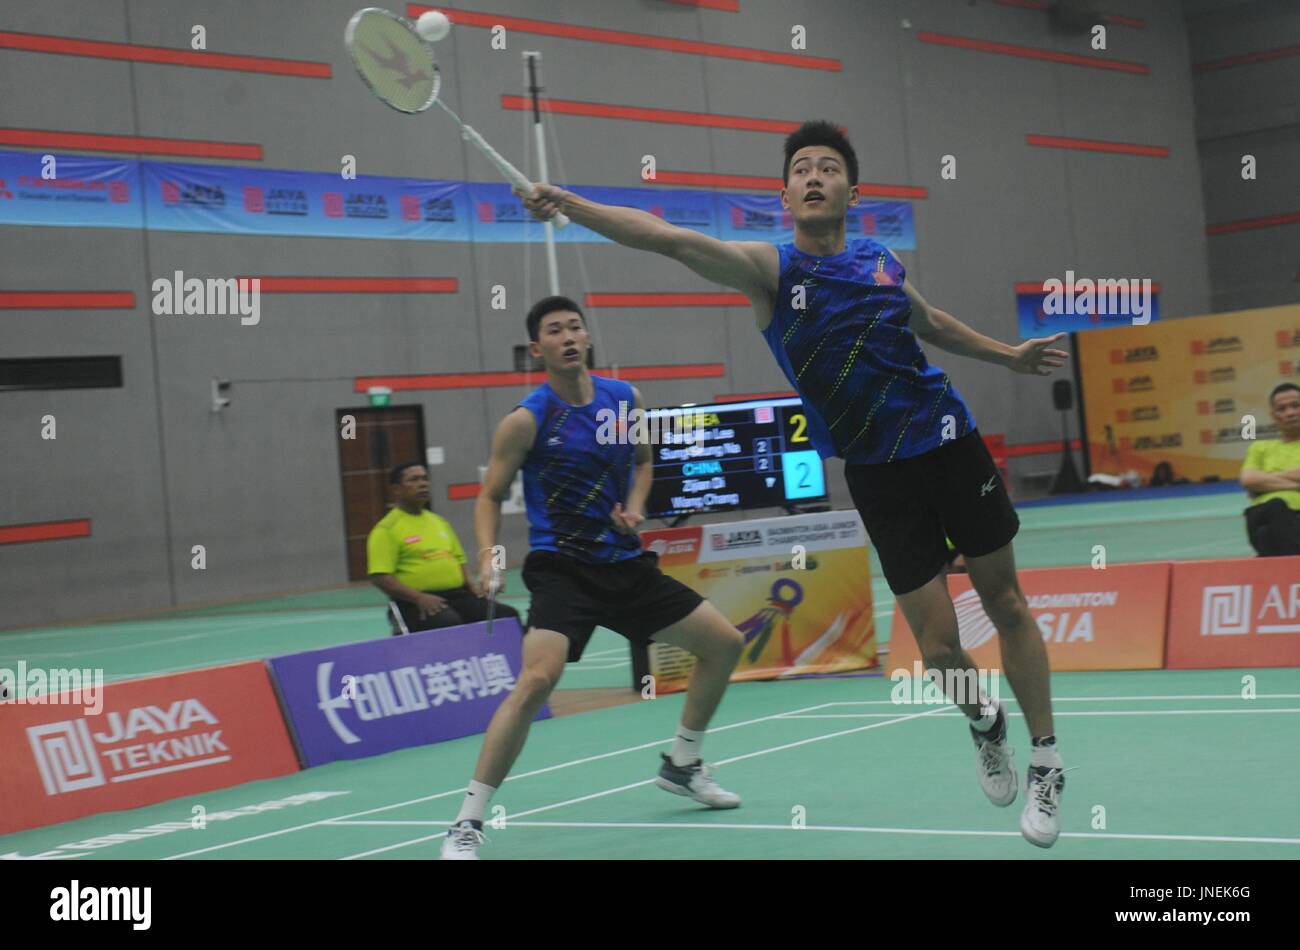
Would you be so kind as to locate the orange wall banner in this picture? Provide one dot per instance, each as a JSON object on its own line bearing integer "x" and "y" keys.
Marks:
{"x": 149, "y": 740}
{"x": 1176, "y": 390}
{"x": 1242, "y": 612}
{"x": 1111, "y": 619}
{"x": 798, "y": 588}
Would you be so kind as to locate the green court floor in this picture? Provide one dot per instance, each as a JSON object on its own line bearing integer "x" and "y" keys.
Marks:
{"x": 1166, "y": 764}
{"x": 1163, "y": 764}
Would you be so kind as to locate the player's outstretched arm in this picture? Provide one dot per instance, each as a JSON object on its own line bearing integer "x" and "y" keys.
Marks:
{"x": 510, "y": 445}
{"x": 747, "y": 266}
{"x": 948, "y": 333}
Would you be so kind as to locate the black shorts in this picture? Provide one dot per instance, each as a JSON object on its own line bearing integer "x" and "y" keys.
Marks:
{"x": 909, "y": 505}
{"x": 631, "y": 597}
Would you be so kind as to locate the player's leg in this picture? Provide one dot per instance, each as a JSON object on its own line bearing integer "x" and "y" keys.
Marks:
{"x": 900, "y": 506}
{"x": 716, "y": 645}
{"x": 1024, "y": 659}
{"x": 545, "y": 653}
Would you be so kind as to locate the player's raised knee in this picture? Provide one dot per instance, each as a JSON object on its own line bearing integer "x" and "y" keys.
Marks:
{"x": 1004, "y": 606}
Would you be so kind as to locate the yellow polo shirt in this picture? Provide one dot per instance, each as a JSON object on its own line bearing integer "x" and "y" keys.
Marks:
{"x": 421, "y": 551}
{"x": 1273, "y": 456}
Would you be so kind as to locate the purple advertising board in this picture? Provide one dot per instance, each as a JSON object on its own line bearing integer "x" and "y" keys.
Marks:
{"x": 363, "y": 699}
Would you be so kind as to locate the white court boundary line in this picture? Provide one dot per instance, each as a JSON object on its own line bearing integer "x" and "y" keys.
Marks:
{"x": 637, "y": 748}
{"x": 1103, "y": 712}
{"x": 623, "y": 788}
{"x": 461, "y": 790}
{"x": 959, "y": 832}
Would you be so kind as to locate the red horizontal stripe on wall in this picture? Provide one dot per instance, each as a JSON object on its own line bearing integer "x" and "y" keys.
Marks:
{"x": 66, "y": 45}
{"x": 44, "y": 531}
{"x": 1246, "y": 59}
{"x": 1030, "y": 52}
{"x": 1039, "y": 448}
{"x": 358, "y": 285}
{"x": 144, "y": 145}
{"x": 1253, "y": 224}
{"x": 764, "y": 183}
{"x": 667, "y": 300}
{"x": 1136, "y": 22}
{"x": 1095, "y": 145}
{"x": 490, "y": 380}
{"x": 66, "y": 300}
{"x": 746, "y": 397}
{"x": 640, "y": 114}
{"x": 459, "y": 491}
{"x": 1032, "y": 287}
{"x": 731, "y": 6}
{"x": 571, "y": 31}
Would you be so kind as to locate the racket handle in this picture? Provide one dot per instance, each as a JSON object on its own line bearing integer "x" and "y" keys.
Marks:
{"x": 512, "y": 174}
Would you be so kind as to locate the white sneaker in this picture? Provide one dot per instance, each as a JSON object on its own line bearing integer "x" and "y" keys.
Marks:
{"x": 695, "y": 781}
{"x": 462, "y": 842}
{"x": 1040, "y": 822}
{"x": 993, "y": 765}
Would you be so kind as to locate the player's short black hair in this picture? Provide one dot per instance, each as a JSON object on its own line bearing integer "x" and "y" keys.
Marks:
{"x": 395, "y": 476}
{"x": 1281, "y": 388}
{"x": 550, "y": 305}
{"x": 820, "y": 132}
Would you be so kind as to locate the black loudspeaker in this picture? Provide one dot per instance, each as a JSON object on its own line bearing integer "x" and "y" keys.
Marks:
{"x": 1063, "y": 395}
{"x": 1067, "y": 479}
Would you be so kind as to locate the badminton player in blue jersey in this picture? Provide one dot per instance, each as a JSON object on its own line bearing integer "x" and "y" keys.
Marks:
{"x": 585, "y": 495}
{"x": 842, "y": 320}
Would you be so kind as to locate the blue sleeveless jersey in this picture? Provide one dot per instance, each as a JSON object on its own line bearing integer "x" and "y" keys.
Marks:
{"x": 571, "y": 481}
{"x": 868, "y": 392}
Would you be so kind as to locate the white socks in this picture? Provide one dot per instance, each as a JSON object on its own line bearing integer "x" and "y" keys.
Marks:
{"x": 987, "y": 721}
{"x": 476, "y": 802}
{"x": 686, "y": 747}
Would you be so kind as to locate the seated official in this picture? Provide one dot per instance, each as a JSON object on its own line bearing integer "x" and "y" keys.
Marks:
{"x": 416, "y": 559}
{"x": 1271, "y": 476}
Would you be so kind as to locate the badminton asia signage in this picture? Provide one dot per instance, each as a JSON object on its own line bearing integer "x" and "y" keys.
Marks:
{"x": 364, "y": 699}
{"x": 798, "y": 588}
{"x": 1242, "y": 612}
{"x": 1112, "y": 619}
{"x": 154, "y": 739}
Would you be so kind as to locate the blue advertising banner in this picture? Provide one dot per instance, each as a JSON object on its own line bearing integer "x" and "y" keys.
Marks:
{"x": 363, "y": 699}
{"x": 320, "y": 204}
{"x": 174, "y": 196}
{"x": 1078, "y": 304}
{"x": 58, "y": 190}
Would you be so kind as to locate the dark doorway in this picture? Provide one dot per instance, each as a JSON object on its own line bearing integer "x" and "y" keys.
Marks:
{"x": 384, "y": 437}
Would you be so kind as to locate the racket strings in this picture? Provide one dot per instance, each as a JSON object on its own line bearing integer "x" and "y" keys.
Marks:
{"x": 395, "y": 63}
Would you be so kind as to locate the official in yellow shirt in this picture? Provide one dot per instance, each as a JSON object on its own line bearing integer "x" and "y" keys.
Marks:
{"x": 1271, "y": 476}
{"x": 415, "y": 558}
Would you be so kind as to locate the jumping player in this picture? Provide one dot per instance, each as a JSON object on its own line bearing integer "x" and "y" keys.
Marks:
{"x": 585, "y": 498}
{"x": 842, "y": 320}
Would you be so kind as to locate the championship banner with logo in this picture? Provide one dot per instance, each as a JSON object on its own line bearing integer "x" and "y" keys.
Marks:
{"x": 1112, "y": 619}
{"x": 138, "y": 742}
{"x": 1181, "y": 391}
{"x": 798, "y": 588}
{"x": 1237, "y": 613}
{"x": 363, "y": 699}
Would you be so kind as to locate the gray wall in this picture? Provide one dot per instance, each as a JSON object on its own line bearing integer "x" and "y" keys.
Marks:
{"x": 258, "y": 485}
{"x": 1250, "y": 109}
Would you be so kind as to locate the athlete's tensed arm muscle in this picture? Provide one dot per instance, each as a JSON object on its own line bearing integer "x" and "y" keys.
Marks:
{"x": 510, "y": 446}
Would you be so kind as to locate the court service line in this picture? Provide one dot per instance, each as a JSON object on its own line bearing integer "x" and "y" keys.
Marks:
{"x": 1103, "y": 712}
{"x": 461, "y": 790}
{"x": 631, "y": 785}
{"x": 1088, "y": 699}
{"x": 1236, "y": 839}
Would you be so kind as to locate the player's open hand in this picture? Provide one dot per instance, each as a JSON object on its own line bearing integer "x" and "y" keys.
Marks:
{"x": 625, "y": 522}
{"x": 547, "y": 200}
{"x": 1034, "y": 357}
